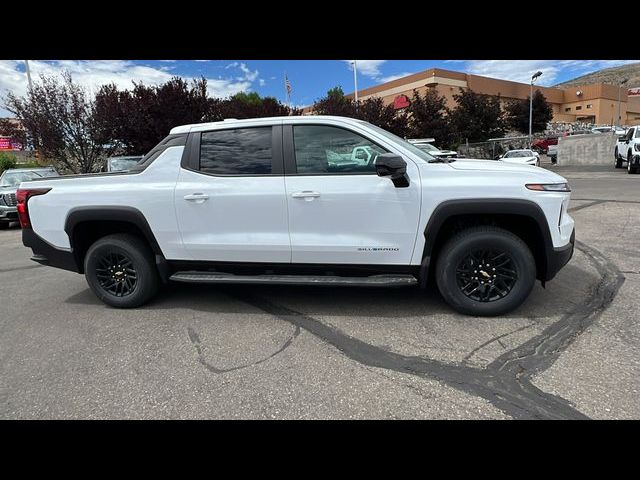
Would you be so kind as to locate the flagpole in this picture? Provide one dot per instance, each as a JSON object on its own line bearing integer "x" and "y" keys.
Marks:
{"x": 286, "y": 89}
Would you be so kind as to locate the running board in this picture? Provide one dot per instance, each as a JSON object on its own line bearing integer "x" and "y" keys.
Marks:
{"x": 372, "y": 281}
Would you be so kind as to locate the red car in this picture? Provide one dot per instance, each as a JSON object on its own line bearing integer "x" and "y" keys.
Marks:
{"x": 542, "y": 145}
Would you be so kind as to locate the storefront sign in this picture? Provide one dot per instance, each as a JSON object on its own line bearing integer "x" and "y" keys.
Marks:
{"x": 7, "y": 143}
{"x": 401, "y": 101}
{"x": 634, "y": 92}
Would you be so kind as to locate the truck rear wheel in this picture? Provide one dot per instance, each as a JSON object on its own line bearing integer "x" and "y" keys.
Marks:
{"x": 120, "y": 271}
{"x": 485, "y": 271}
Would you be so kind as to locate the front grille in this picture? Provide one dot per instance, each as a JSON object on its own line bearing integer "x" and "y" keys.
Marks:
{"x": 10, "y": 199}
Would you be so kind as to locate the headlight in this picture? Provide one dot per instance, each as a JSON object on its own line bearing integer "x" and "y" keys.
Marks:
{"x": 549, "y": 187}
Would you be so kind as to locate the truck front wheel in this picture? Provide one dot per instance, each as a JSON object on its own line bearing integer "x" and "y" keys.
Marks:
{"x": 618, "y": 159}
{"x": 120, "y": 271}
{"x": 485, "y": 271}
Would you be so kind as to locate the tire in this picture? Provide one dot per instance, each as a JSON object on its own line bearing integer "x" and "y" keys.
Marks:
{"x": 4, "y": 225}
{"x": 631, "y": 169}
{"x": 618, "y": 159}
{"x": 107, "y": 257}
{"x": 457, "y": 252}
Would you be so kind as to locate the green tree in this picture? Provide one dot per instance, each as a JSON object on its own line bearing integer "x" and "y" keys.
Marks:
{"x": 335, "y": 103}
{"x": 372, "y": 110}
{"x": 429, "y": 118}
{"x": 7, "y": 161}
{"x": 517, "y": 114}
{"x": 476, "y": 117}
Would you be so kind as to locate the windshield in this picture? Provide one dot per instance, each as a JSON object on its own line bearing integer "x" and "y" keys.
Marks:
{"x": 520, "y": 154}
{"x": 13, "y": 179}
{"x": 396, "y": 139}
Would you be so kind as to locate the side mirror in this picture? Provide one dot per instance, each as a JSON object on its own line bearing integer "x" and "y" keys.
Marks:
{"x": 393, "y": 167}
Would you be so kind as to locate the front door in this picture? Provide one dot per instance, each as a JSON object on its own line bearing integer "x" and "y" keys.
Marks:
{"x": 340, "y": 211}
{"x": 231, "y": 204}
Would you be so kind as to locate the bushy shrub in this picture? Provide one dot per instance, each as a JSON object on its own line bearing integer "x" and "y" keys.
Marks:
{"x": 7, "y": 161}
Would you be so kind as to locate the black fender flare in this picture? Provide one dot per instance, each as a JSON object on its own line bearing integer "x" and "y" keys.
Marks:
{"x": 483, "y": 206}
{"x": 118, "y": 213}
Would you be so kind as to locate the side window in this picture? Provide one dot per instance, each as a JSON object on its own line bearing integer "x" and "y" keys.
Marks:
{"x": 241, "y": 151}
{"x": 323, "y": 149}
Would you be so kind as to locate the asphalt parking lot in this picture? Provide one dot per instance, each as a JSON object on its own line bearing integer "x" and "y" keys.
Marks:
{"x": 571, "y": 351}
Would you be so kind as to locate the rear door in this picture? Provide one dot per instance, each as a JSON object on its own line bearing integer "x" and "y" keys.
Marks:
{"x": 230, "y": 196}
{"x": 340, "y": 210}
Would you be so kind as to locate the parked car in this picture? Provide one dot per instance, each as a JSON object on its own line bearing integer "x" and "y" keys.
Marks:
{"x": 259, "y": 201}
{"x": 627, "y": 146}
{"x": 121, "y": 164}
{"x": 541, "y": 145}
{"x": 524, "y": 157}
{"x": 9, "y": 182}
{"x": 426, "y": 145}
{"x": 609, "y": 129}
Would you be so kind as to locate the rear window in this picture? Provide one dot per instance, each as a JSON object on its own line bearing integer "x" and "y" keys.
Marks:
{"x": 240, "y": 151}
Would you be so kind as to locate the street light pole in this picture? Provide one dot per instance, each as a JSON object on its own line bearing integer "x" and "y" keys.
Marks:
{"x": 355, "y": 80}
{"x": 619, "y": 100}
{"x": 26, "y": 64}
{"x": 533, "y": 77}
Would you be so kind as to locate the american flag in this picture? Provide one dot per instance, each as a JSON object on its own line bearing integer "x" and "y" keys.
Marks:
{"x": 287, "y": 84}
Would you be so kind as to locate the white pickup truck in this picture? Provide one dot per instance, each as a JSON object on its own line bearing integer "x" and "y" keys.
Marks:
{"x": 628, "y": 150}
{"x": 270, "y": 201}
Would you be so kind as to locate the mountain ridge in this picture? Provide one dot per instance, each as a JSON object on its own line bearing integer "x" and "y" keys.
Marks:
{"x": 610, "y": 76}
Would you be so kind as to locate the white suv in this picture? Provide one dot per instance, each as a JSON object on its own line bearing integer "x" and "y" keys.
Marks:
{"x": 313, "y": 200}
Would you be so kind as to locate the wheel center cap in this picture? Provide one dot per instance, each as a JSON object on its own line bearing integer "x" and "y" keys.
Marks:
{"x": 485, "y": 274}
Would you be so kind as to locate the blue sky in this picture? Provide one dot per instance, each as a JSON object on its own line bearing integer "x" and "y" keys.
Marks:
{"x": 310, "y": 79}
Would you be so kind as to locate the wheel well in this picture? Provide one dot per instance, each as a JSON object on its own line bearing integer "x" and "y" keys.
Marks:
{"x": 87, "y": 233}
{"x": 523, "y": 226}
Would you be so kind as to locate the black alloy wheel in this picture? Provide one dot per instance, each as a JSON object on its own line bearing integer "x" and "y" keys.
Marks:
{"x": 486, "y": 275}
{"x": 116, "y": 274}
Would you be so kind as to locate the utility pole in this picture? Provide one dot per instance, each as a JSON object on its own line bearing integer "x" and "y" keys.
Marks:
{"x": 26, "y": 64}
{"x": 620, "y": 100}
{"x": 533, "y": 77}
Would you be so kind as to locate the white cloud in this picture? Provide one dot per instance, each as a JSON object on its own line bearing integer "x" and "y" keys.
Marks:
{"x": 94, "y": 73}
{"x": 261, "y": 82}
{"x": 522, "y": 70}
{"x": 391, "y": 78}
{"x": 370, "y": 68}
{"x": 248, "y": 74}
{"x": 516, "y": 70}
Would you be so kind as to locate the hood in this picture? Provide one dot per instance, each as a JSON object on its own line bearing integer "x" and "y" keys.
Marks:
{"x": 8, "y": 189}
{"x": 498, "y": 166}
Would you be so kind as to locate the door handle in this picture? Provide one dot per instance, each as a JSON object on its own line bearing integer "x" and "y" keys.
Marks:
{"x": 307, "y": 195}
{"x": 196, "y": 197}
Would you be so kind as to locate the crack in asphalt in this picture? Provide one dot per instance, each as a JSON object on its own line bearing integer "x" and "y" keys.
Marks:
{"x": 15, "y": 269}
{"x": 586, "y": 205}
{"x": 601, "y": 200}
{"x": 505, "y": 382}
{"x": 195, "y": 340}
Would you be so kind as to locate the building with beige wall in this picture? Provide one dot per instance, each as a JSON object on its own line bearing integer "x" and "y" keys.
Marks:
{"x": 597, "y": 103}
